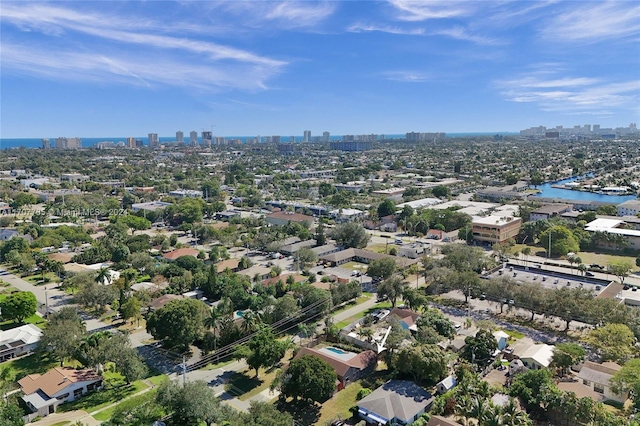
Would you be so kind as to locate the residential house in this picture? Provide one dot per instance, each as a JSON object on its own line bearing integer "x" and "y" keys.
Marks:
{"x": 347, "y": 215}
{"x": 159, "y": 302}
{"x": 43, "y": 393}
{"x": 397, "y": 402}
{"x": 18, "y": 341}
{"x": 535, "y": 356}
{"x": 414, "y": 251}
{"x": 232, "y": 264}
{"x": 325, "y": 249}
{"x": 259, "y": 271}
{"x": 441, "y": 421}
{"x": 408, "y": 318}
{"x": 283, "y": 218}
{"x": 185, "y": 251}
{"x": 598, "y": 376}
{"x": 7, "y": 234}
{"x": 349, "y": 366}
{"x": 445, "y": 384}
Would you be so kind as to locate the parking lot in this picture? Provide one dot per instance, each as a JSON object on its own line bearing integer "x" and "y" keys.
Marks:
{"x": 551, "y": 279}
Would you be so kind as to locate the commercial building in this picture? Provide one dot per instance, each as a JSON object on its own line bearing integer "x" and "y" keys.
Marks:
{"x": 351, "y": 146}
{"x": 207, "y": 138}
{"x": 46, "y": 143}
{"x": 68, "y": 143}
{"x": 307, "y": 136}
{"x": 193, "y": 138}
{"x": 186, "y": 193}
{"x": 179, "y": 136}
{"x": 495, "y": 229}
{"x": 548, "y": 211}
{"x": 629, "y": 208}
{"x": 153, "y": 140}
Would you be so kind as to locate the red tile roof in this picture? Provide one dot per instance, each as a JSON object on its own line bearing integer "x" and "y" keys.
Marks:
{"x": 185, "y": 251}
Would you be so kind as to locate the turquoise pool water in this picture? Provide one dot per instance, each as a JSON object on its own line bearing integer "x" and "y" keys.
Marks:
{"x": 337, "y": 351}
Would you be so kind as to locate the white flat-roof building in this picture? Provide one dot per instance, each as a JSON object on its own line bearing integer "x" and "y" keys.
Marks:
{"x": 421, "y": 203}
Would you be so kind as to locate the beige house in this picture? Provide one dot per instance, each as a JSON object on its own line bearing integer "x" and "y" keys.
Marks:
{"x": 43, "y": 393}
{"x": 597, "y": 377}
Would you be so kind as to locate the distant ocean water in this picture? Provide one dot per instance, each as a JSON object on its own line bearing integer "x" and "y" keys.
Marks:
{"x": 6, "y": 143}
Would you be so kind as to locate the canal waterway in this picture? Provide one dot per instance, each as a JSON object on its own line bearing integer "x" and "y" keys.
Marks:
{"x": 548, "y": 191}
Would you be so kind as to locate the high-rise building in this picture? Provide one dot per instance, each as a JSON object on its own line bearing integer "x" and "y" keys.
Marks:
{"x": 68, "y": 143}
{"x": 206, "y": 138}
{"x": 307, "y": 136}
{"x": 46, "y": 143}
{"x": 179, "y": 136}
{"x": 131, "y": 142}
{"x": 193, "y": 138}
{"x": 325, "y": 136}
{"x": 276, "y": 139}
{"x": 292, "y": 139}
{"x": 154, "y": 142}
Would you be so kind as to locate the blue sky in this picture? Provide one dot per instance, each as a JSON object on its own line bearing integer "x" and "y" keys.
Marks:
{"x": 99, "y": 68}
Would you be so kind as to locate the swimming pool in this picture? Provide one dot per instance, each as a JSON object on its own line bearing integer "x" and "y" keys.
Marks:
{"x": 337, "y": 351}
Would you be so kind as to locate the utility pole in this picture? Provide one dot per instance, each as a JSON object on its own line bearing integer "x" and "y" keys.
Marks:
{"x": 184, "y": 371}
{"x": 549, "y": 252}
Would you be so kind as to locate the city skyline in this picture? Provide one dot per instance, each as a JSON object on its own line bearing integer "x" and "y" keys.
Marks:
{"x": 240, "y": 68}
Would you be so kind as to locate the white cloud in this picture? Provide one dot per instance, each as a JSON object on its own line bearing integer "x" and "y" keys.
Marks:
{"x": 179, "y": 60}
{"x": 407, "y": 76}
{"x": 421, "y": 10}
{"x": 592, "y": 22}
{"x": 571, "y": 94}
{"x": 284, "y": 14}
{"x": 137, "y": 69}
{"x": 362, "y": 28}
{"x": 460, "y": 33}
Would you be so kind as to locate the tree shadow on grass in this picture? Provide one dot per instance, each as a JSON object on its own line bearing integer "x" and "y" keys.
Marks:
{"x": 241, "y": 383}
{"x": 302, "y": 411}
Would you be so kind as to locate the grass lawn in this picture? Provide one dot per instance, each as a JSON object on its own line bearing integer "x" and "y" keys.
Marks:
{"x": 106, "y": 414}
{"x": 62, "y": 423}
{"x": 385, "y": 304}
{"x": 158, "y": 379}
{"x": 338, "y": 406}
{"x": 380, "y": 247}
{"x": 35, "y": 319}
{"x": 245, "y": 385}
{"x": 37, "y": 279}
{"x": 351, "y": 304}
{"x": 116, "y": 390}
{"x": 33, "y": 364}
{"x": 587, "y": 257}
{"x": 218, "y": 365}
{"x": 514, "y": 334}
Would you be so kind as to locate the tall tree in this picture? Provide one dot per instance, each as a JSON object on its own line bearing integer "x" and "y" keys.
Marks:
{"x": 381, "y": 268}
{"x": 63, "y": 334}
{"x": 262, "y": 350}
{"x": 179, "y": 323}
{"x": 309, "y": 378}
{"x": 350, "y": 234}
{"x": 392, "y": 287}
{"x": 422, "y": 362}
{"x": 620, "y": 270}
{"x": 480, "y": 348}
{"x": 565, "y": 355}
{"x": 191, "y": 404}
{"x": 614, "y": 342}
{"x": 18, "y": 306}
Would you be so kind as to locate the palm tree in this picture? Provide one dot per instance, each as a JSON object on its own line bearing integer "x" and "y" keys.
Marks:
{"x": 367, "y": 333}
{"x": 103, "y": 276}
{"x": 251, "y": 321}
{"x": 463, "y": 409}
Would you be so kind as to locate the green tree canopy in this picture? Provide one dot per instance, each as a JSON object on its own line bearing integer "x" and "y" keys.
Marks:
{"x": 422, "y": 362}
{"x": 18, "y": 306}
{"x": 179, "y": 323}
{"x": 627, "y": 380}
{"x": 262, "y": 350}
{"x": 614, "y": 342}
{"x": 562, "y": 240}
{"x": 63, "y": 334}
{"x": 350, "y": 234}
{"x": 381, "y": 268}
{"x": 309, "y": 378}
